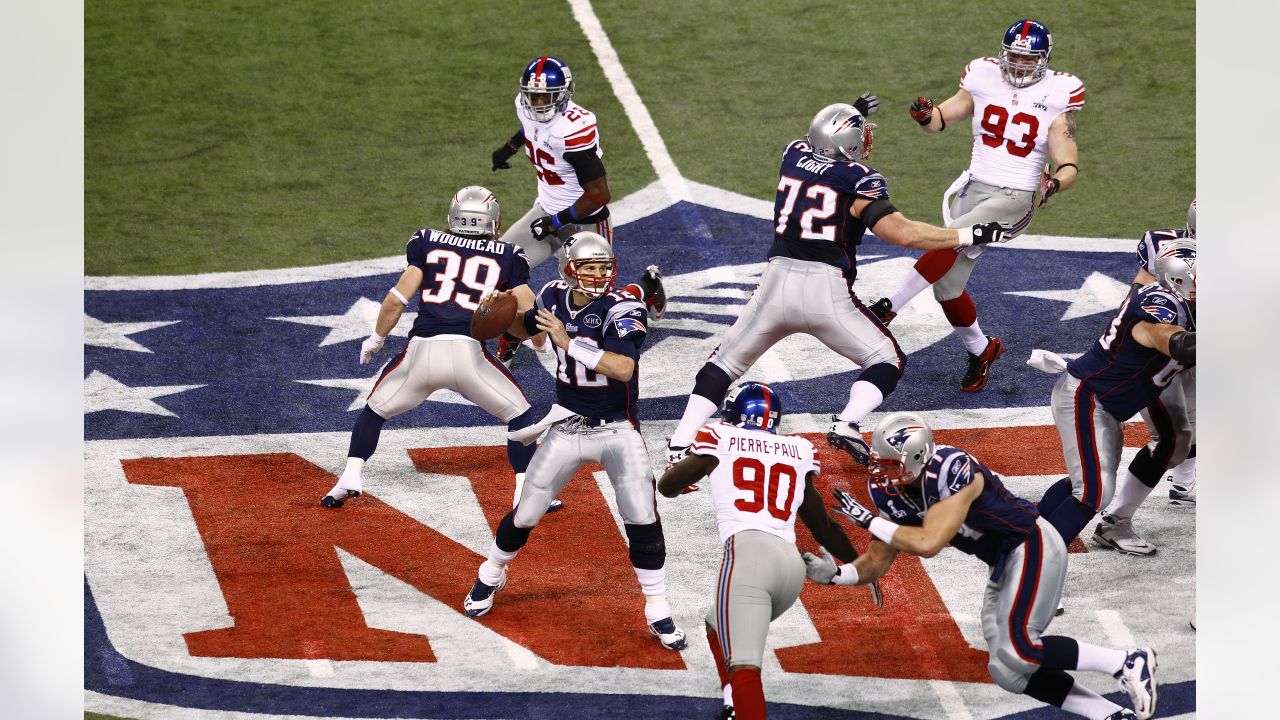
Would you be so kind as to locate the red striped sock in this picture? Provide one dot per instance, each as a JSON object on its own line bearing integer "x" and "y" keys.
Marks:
{"x": 748, "y": 693}
{"x": 714, "y": 641}
{"x": 935, "y": 263}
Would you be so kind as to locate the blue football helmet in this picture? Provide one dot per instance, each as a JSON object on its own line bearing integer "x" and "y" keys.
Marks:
{"x": 1024, "y": 54}
{"x": 753, "y": 405}
{"x": 546, "y": 76}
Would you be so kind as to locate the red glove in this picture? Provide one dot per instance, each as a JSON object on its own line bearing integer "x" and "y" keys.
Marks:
{"x": 922, "y": 110}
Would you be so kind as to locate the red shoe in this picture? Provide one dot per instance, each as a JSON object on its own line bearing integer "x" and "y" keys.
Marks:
{"x": 980, "y": 365}
{"x": 507, "y": 350}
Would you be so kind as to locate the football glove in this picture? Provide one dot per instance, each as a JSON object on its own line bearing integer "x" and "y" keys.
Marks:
{"x": 1050, "y": 186}
{"x": 867, "y": 104}
{"x": 543, "y": 228}
{"x": 852, "y": 509}
{"x": 821, "y": 570}
{"x": 501, "y": 156}
{"x": 371, "y": 346}
{"x": 922, "y": 110}
{"x": 990, "y": 232}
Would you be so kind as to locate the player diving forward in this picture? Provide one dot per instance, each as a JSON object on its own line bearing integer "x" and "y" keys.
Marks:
{"x": 930, "y": 496}
{"x": 597, "y": 334}
{"x": 760, "y": 482}
{"x": 827, "y": 198}
{"x": 562, "y": 141}
{"x": 447, "y": 274}
{"x": 1023, "y": 113}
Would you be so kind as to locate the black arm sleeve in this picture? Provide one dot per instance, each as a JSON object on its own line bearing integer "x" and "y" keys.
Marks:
{"x": 1182, "y": 347}
{"x": 586, "y": 164}
{"x": 875, "y": 211}
{"x": 517, "y": 141}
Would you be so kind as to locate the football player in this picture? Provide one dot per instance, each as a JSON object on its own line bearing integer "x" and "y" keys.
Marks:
{"x": 597, "y": 333}
{"x": 562, "y": 141}
{"x": 446, "y": 277}
{"x": 930, "y": 496}
{"x": 1022, "y": 113}
{"x": 760, "y": 482}
{"x": 1150, "y": 341}
{"x": 827, "y": 198}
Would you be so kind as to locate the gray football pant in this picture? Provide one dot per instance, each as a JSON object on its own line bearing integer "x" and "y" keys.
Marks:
{"x": 446, "y": 362}
{"x": 1091, "y": 441}
{"x": 976, "y": 203}
{"x": 568, "y": 446}
{"x": 1017, "y": 609}
{"x": 1178, "y": 403}
{"x": 539, "y": 250}
{"x": 761, "y": 576}
{"x": 797, "y": 296}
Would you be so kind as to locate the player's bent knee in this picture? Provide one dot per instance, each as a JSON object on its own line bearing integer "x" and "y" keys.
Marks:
{"x": 1006, "y": 677}
{"x": 712, "y": 382}
{"x": 884, "y": 375}
{"x": 648, "y": 547}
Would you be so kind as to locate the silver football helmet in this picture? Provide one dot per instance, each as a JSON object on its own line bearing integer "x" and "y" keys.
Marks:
{"x": 1175, "y": 266}
{"x": 474, "y": 212}
{"x": 1191, "y": 218}
{"x": 901, "y": 445}
{"x": 588, "y": 248}
{"x": 840, "y": 133}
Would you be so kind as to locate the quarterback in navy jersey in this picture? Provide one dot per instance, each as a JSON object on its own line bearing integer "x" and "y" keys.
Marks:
{"x": 1150, "y": 341}
{"x": 930, "y": 496}
{"x": 826, "y": 199}
{"x": 597, "y": 334}
{"x": 446, "y": 275}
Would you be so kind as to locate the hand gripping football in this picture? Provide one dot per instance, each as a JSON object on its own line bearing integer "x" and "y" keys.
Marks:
{"x": 493, "y": 317}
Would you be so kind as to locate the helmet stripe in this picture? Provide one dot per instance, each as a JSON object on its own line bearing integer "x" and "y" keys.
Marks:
{"x": 768, "y": 405}
{"x": 1026, "y": 27}
{"x": 541, "y": 61}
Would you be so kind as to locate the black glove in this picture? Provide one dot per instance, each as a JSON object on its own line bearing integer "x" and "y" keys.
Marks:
{"x": 542, "y": 228}
{"x": 922, "y": 110}
{"x": 866, "y": 104}
{"x": 501, "y": 156}
{"x": 990, "y": 232}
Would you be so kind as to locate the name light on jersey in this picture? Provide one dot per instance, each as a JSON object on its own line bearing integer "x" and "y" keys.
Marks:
{"x": 764, "y": 446}
{"x": 813, "y": 166}
{"x": 489, "y": 246}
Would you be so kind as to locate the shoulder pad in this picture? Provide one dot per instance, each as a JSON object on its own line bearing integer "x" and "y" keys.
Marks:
{"x": 872, "y": 185}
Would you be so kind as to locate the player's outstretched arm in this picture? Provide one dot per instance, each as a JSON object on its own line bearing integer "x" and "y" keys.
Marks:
{"x": 890, "y": 225}
{"x": 1172, "y": 340}
{"x": 389, "y": 314}
{"x": 934, "y": 119}
{"x": 685, "y": 473}
{"x": 1064, "y": 153}
{"x": 824, "y": 529}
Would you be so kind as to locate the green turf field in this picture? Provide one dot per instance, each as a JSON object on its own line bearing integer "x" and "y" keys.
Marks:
{"x": 220, "y": 136}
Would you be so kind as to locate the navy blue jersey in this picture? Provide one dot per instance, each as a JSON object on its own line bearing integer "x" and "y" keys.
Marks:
{"x": 456, "y": 271}
{"x": 1124, "y": 375}
{"x": 997, "y": 521}
{"x": 811, "y": 210}
{"x": 1150, "y": 244}
{"x": 615, "y": 322}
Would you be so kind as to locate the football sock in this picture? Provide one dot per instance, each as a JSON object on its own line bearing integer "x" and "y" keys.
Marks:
{"x": 696, "y": 414}
{"x": 1185, "y": 474}
{"x": 1053, "y": 497}
{"x": 912, "y": 285}
{"x": 748, "y": 693}
{"x": 364, "y": 436}
{"x": 934, "y": 264}
{"x": 491, "y": 571}
{"x": 1050, "y": 687}
{"x": 509, "y": 538}
{"x": 656, "y": 607}
{"x": 1083, "y": 701}
{"x": 863, "y": 398}
{"x": 350, "y": 479}
{"x": 717, "y": 652}
{"x": 975, "y": 341}
{"x": 1095, "y": 658}
{"x": 1129, "y": 495}
{"x": 1070, "y": 517}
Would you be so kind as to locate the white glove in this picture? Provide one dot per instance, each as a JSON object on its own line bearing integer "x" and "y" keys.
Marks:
{"x": 371, "y": 346}
{"x": 852, "y": 509}
{"x": 821, "y": 570}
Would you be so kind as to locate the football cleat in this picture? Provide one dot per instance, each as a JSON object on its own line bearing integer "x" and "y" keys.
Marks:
{"x": 1117, "y": 533}
{"x": 347, "y": 488}
{"x": 1122, "y": 714}
{"x": 675, "y": 455}
{"x": 507, "y": 348}
{"x": 480, "y": 600}
{"x": 975, "y": 378}
{"x": 555, "y": 505}
{"x": 671, "y": 637}
{"x": 1137, "y": 678}
{"x": 1182, "y": 495}
{"x": 655, "y": 295}
{"x": 883, "y": 310}
{"x": 848, "y": 437}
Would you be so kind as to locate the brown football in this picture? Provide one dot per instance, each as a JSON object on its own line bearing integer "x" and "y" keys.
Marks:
{"x": 491, "y": 319}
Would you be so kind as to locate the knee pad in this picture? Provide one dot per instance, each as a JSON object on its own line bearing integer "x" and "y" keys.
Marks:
{"x": 1146, "y": 467}
{"x": 1006, "y": 677}
{"x": 510, "y": 538}
{"x": 648, "y": 548}
{"x": 712, "y": 383}
{"x": 884, "y": 376}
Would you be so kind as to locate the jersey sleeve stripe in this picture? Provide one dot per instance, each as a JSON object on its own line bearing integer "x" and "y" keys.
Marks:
{"x": 581, "y": 131}
{"x": 580, "y": 141}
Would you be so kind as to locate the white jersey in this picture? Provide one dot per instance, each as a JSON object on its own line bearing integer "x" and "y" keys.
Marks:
{"x": 1011, "y": 125}
{"x": 573, "y": 130}
{"x": 759, "y": 483}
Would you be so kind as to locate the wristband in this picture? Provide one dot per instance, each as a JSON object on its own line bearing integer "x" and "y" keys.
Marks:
{"x": 941, "y": 120}
{"x": 883, "y": 529}
{"x": 585, "y": 353}
{"x": 966, "y": 236}
{"x": 846, "y": 574}
{"x": 403, "y": 300}
{"x": 562, "y": 218}
{"x": 1068, "y": 165}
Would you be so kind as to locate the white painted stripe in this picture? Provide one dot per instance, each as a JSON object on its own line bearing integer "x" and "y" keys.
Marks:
{"x": 668, "y": 174}
{"x": 521, "y": 658}
{"x": 952, "y": 703}
{"x": 320, "y": 668}
{"x": 1113, "y": 625}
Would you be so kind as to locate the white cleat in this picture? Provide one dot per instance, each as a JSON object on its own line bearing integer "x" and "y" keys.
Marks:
{"x": 848, "y": 437}
{"x": 1117, "y": 533}
{"x": 1182, "y": 495}
{"x": 1137, "y": 678}
{"x": 671, "y": 637}
{"x": 480, "y": 600}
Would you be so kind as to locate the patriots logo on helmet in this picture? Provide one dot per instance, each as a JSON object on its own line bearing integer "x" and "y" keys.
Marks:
{"x": 628, "y": 325}
{"x": 902, "y": 435}
{"x": 1161, "y": 313}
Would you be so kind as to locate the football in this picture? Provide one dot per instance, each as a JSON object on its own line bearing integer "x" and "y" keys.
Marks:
{"x": 492, "y": 318}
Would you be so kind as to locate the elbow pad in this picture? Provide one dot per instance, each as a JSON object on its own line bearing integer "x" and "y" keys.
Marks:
{"x": 1182, "y": 347}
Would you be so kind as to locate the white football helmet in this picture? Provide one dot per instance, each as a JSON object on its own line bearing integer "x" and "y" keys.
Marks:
{"x": 839, "y": 133}
{"x": 901, "y": 445}
{"x": 1175, "y": 266}
{"x": 585, "y": 248}
{"x": 474, "y": 212}
{"x": 1191, "y": 218}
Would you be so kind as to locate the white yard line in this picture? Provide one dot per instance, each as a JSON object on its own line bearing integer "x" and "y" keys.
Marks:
{"x": 952, "y": 702}
{"x": 1113, "y": 625}
{"x": 668, "y": 174}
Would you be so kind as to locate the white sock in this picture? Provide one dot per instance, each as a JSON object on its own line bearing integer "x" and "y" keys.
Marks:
{"x": 697, "y": 411}
{"x": 350, "y": 480}
{"x": 1185, "y": 474}
{"x": 1083, "y": 701}
{"x": 973, "y": 338}
{"x": 536, "y": 346}
{"x": 653, "y": 583}
{"x": 912, "y": 285}
{"x": 1095, "y": 658}
{"x": 490, "y": 571}
{"x": 863, "y": 398}
{"x": 1130, "y": 492}
{"x": 728, "y": 695}
{"x": 519, "y": 489}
